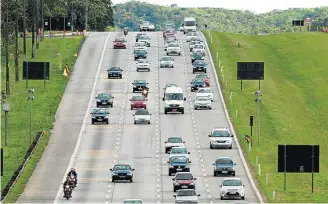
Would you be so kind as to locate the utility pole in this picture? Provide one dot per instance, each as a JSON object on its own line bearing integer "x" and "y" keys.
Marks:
{"x": 258, "y": 100}
{"x": 24, "y": 31}
{"x": 6, "y": 109}
{"x": 72, "y": 13}
{"x": 42, "y": 20}
{"x": 37, "y": 24}
{"x": 7, "y": 51}
{"x": 33, "y": 27}
{"x": 31, "y": 98}
{"x": 86, "y": 15}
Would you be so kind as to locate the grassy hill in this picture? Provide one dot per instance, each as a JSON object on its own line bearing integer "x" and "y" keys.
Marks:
{"x": 235, "y": 21}
{"x": 293, "y": 104}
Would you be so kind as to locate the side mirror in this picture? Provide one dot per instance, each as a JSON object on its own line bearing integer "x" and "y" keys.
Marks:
{"x": 184, "y": 99}
{"x": 182, "y": 24}
{"x": 196, "y": 24}
{"x": 91, "y": 113}
{"x": 121, "y": 70}
{"x": 174, "y": 196}
{"x": 213, "y": 164}
{"x": 107, "y": 112}
{"x": 163, "y": 99}
{"x": 130, "y": 99}
{"x": 243, "y": 185}
{"x": 188, "y": 152}
{"x": 231, "y": 135}
{"x": 189, "y": 162}
{"x": 112, "y": 96}
{"x": 209, "y": 135}
{"x": 234, "y": 164}
{"x": 147, "y": 83}
{"x": 165, "y": 142}
{"x": 133, "y": 115}
{"x": 132, "y": 169}
{"x": 110, "y": 169}
{"x": 167, "y": 162}
{"x": 190, "y": 82}
{"x": 113, "y": 41}
{"x": 96, "y": 97}
{"x": 194, "y": 100}
{"x": 198, "y": 195}
{"x": 149, "y": 114}
{"x": 220, "y": 185}
{"x": 132, "y": 83}
{"x": 195, "y": 178}
{"x": 146, "y": 99}
{"x": 184, "y": 142}
{"x": 173, "y": 179}
{"x": 125, "y": 41}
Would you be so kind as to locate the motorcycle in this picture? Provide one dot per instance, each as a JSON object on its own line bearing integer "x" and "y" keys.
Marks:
{"x": 67, "y": 191}
{"x": 144, "y": 92}
{"x": 72, "y": 181}
{"x": 125, "y": 31}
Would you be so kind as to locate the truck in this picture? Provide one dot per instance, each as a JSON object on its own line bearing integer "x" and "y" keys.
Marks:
{"x": 189, "y": 25}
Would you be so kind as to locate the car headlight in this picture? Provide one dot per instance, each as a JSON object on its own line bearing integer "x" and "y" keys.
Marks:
{"x": 106, "y": 116}
{"x": 93, "y": 117}
{"x": 144, "y": 103}
{"x": 134, "y": 86}
{"x": 98, "y": 100}
{"x": 130, "y": 173}
{"x": 228, "y": 141}
{"x": 114, "y": 173}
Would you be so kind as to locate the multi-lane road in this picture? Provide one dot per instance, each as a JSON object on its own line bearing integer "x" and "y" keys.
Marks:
{"x": 99, "y": 147}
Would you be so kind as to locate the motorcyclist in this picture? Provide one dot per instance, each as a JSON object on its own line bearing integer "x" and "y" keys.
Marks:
{"x": 67, "y": 182}
{"x": 125, "y": 30}
{"x": 145, "y": 91}
{"x": 73, "y": 172}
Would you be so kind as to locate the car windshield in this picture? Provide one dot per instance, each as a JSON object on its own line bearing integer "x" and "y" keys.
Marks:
{"x": 190, "y": 23}
{"x": 104, "y": 95}
{"x": 202, "y": 98}
{"x": 140, "y": 52}
{"x": 199, "y": 63}
{"x": 201, "y": 76}
{"x": 142, "y": 112}
{"x": 167, "y": 59}
{"x": 174, "y": 140}
{"x": 194, "y": 42}
{"x": 121, "y": 167}
{"x": 144, "y": 37}
{"x": 145, "y": 23}
{"x": 100, "y": 111}
{"x": 140, "y": 82}
{"x": 174, "y": 96}
{"x": 198, "y": 81}
{"x": 139, "y": 44}
{"x": 186, "y": 193}
{"x": 199, "y": 46}
{"x": 180, "y": 160}
{"x": 119, "y": 40}
{"x": 232, "y": 183}
{"x": 138, "y": 98}
{"x": 115, "y": 69}
{"x": 224, "y": 161}
{"x": 142, "y": 61}
{"x": 204, "y": 91}
{"x": 179, "y": 151}
{"x": 132, "y": 201}
{"x": 184, "y": 177}
{"x": 173, "y": 45}
{"x": 220, "y": 133}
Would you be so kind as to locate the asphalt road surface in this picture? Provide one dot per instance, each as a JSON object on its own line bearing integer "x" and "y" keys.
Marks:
{"x": 141, "y": 145}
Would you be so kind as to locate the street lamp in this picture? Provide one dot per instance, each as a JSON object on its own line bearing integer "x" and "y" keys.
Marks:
{"x": 258, "y": 100}
{"x": 6, "y": 109}
{"x": 31, "y": 98}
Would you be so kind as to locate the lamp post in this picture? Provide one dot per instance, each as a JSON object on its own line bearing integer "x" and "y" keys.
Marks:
{"x": 6, "y": 109}
{"x": 258, "y": 100}
{"x": 31, "y": 98}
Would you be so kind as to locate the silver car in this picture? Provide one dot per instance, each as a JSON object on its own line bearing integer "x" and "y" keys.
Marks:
{"x": 199, "y": 49}
{"x": 170, "y": 41}
{"x": 166, "y": 61}
{"x": 193, "y": 43}
{"x": 224, "y": 166}
{"x": 232, "y": 188}
{"x": 173, "y": 49}
{"x": 143, "y": 64}
{"x": 186, "y": 196}
{"x": 141, "y": 116}
{"x": 144, "y": 38}
{"x": 202, "y": 102}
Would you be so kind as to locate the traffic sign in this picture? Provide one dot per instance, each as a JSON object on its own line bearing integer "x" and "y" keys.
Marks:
{"x": 308, "y": 20}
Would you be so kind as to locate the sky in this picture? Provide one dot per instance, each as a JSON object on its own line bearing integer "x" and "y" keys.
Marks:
{"x": 256, "y": 6}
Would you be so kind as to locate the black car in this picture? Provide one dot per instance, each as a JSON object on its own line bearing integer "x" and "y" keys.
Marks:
{"x": 199, "y": 66}
{"x": 140, "y": 54}
{"x": 178, "y": 164}
{"x": 138, "y": 85}
{"x": 197, "y": 83}
{"x": 224, "y": 166}
{"x": 99, "y": 115}
{"x": 122, "y": 172}
{"x": 104, "y": 99}
{"x": 183, "y": 180}
{"x": 114, "y": 72}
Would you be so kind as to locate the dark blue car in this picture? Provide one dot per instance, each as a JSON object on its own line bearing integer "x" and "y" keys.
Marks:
{"x": 138, "y": 85}
{"x": 114, "y": 72}
{"x": 224, "y": 166}
{"x": 197, "y": 83}
{"x": 122, "y": 172}
{"x": 179, "y": 164}
{"x": 199, "y": 66}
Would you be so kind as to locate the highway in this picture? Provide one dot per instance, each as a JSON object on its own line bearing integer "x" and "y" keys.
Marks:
{"x": 142, "y": 145}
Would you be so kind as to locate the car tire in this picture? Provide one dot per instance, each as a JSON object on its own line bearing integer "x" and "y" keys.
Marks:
{"x": 166, "y": 150}
{"x": 210, "y": 108}
{"x": 182, "y": 111}
{"x": 97, "y": 105}
{"x": 205, "y": 71}
{"x": 92, "y": 122}
{"x": 135, "y": 122}
{"x": 131, "y": 108}
{"x": 190, "y": 50}
{"x": 233, "y": 173}
{"x": 170, "y": 173}
{"x": 107, "y": 122}
{"x": 113, "y": 180}
{"x": 193, "y": 71}
{"x": 108, "y": 76}
{"x": 149, "y": 122}
{"x": 149, "y": 70}
{"x": 243, "y": 197}
{"x": 165, "y": 112}
{"x": 215, "y": 174}
{"x": 221, "y": 197}
{"x": 230, "y": 147}
{"x": 111, "y": 105}
{"x": 134, "y": 91}
{"x": 211, "y": 146}
{"x": 179, "y": 53}
{"x": 131, "y": 180}
{"x": 167, "y": 54}
{"x": 137, "y": 70}
{"x": 121, "y": 77}
{"x": 195, "y": 108}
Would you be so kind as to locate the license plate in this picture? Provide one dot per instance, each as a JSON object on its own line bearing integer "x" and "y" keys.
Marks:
{"x": 179, "y": 169}
{"x": 174, "y": 110}
{"x": 199, "y": 68}
{"x": 122, "y": 176}
{"x": 184, "y": 186}
{"x": 104, "y": 103}
{"x": 224, "y": 172}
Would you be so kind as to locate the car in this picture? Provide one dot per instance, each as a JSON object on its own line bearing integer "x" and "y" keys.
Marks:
{"x": 195, "y": 38}
{"x": 178, "y": 164}
{"x": 167, "y": 86}
{"x": 133, "y": 201}
{"x": 205, "y": 77}
{"x": 140, "y": 54}
{"x": 143, "y": 64}
{"x": 138, "y": 102}
{"x": 193, "y": 43}
{"x": 206, "y": 91}
{"x": 168, "y": 30}
{"x": 199, "y": 48}
{"x": 199, "y": 66}
{"x": 114, "y": 72}
{"x": 146, "y": 26}
{"x": 183, "y": 180}
{"x": 144, "y": 38}
{"x": 141, "y": 116}
{"x": 138, "y": 35}
{"x": 179, "y": 151}
{"x": 173, "y": 49}
{"x": 170, "y": 41}
{"x": 190, "y": 36}
{"x": 172, "y": 37}
{"x": 196, "y": 84}
{"x": 122, "y": 172}
{"x": 166, "y": 61}
{"x": 232, "y": 188}
{"x": 202, "y": 102}
{"x": 99, "y": 115}
{"x": 224, "y": 166}
{"x": 169, "y": 26}
{"x": 139, "y": 48}
{"x": 186, "y": 196}
{"x": 170, "y": 33}
{"x": 138, "y": 85}
{"x": 119, "y": 42}
{"x": 197, "y": 56}
{"x": 174, "y": 141}
{"x": 174, "y": 100}
{"x": 220, "y": 138}
{"x": 104, "y": 99}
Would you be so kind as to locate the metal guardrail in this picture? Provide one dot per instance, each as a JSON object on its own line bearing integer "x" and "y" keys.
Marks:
{"x": 21, "y": 167}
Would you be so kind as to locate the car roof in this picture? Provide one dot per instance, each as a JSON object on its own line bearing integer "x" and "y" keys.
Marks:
{"x": 140, "y": 81}
{"x": 220, "y": 128}
{"x": 179, "y": 147}
{"x": 173, "y": 90}
{"x": 175, "y": 137}
{"x": 224, "y": 158}
{"x": 198, "y": 79}
{"x": 183, "y": 173}
{"x": 122, "y": 164}
{"x": 237, "y": 179}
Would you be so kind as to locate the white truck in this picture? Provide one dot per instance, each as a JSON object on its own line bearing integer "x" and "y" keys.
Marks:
{"x": 174, "y": 100}
{"x": 189, "y": 25}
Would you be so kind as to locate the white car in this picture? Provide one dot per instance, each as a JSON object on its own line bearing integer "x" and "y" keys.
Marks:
{"x": 143, "y": 64}
{"x": 206, "y": 91}
{"x": 132, "y": 201}
{"x": 199, "y": 49}
{"x": 186, "y": 196}
{"x": 171, "y": 41}
{"x": 173, "y": 142}
{"x": 146, "y": 26}
{"x": 193, "y": 43}
{"x": 179, "y": 151}
{"x": 220, "y": 138}
{"x": 232, "y": 188}
{"x": 202, "y": 102}
{"x": 142, "y": 116}
{"x": 173, "y": 49}
{"x": 190, "y": 36}
{"x": 144, "y": 38}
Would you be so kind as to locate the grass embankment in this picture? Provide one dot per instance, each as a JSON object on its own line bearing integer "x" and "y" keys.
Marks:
{"x": 44, "y": 107}
{"x": 293, "y": 104}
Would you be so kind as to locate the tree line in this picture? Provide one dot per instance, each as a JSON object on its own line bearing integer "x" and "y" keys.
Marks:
{"x": 20, "y": 15}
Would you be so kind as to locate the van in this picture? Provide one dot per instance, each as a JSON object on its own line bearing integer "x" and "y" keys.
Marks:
{"x": 189, "y": 25}
{"x": 174, "y": 100}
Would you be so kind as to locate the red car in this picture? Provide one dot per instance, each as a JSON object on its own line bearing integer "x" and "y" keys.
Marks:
{"x": 205, "y": 77}
{"x": 138, "y": 102}
{"x": 119, "y": 43}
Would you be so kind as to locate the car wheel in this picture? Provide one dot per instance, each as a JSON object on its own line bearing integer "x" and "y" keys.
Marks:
{"x": 193, "y": 71}
{"x": 210, "y": 108}
{"x": 121, "y": 77}
{"x": 170, "y": 173}
{"x": 166, "y": 150}
{"x": 135, "y": 122}
{"x": 174, "y": 189}
{"x": 137, "y": 70}
{"x": 131, "y": 108}
{"x": 107, "y": 122}
{"x": 233, "y": 173}
{"x": 221, "y": 197}
{"x": 243, "y": 197}
{"x": 182, "y": 111}
{"x": 190, "y": 50}
{"x": 131, "y": 180}
{"x": 167, "y": 54}
{"x": 92, "y": 123}
{"x": 165, "y": 112}
{"x": 179, "y": 53}
{"x": 149, "y": 122}
{"x": 230, "y": 147}
{"x": 111, "y": 105}
{"x": 108, "y": 76}
{"x": 134, "y": 91}
{"x": 205, "y": 71}
{"x": 215, "y": 174}
{"x": 113, "y": 180}
{"x": 149, "y": 70}
{"x": 211, "y": 146}
{"x": 97, "y": 105}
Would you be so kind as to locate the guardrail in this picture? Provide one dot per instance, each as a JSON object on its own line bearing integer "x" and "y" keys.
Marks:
{"x": 81, "y": 44}
{"x": 21, "y": 167}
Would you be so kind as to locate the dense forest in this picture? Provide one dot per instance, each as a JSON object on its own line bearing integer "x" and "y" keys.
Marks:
{"x": 133, "y": 13}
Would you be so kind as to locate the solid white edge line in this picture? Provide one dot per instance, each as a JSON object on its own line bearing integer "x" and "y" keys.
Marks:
{"x": 230, "y": 124}
{"x": 78, "y": 143}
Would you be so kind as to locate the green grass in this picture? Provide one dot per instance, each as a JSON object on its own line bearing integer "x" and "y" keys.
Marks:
{"x": 293, "y": 104}
{"x": 44, "y": 107}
